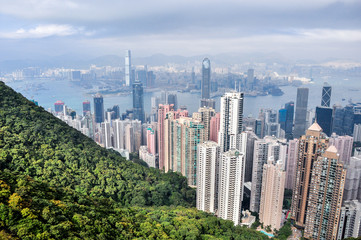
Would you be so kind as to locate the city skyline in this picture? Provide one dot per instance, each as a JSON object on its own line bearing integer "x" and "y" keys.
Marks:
{"x": 249, "y": 111}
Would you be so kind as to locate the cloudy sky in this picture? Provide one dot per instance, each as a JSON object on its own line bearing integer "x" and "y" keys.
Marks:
{"x": 311, "y": 29}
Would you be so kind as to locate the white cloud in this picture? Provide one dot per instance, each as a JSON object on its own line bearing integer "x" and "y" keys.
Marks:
{"x": 300, "y": 43}
{"x": 97, "y": 10}
{"x": 341, "y": 35}
{"x": 41, "y": 31}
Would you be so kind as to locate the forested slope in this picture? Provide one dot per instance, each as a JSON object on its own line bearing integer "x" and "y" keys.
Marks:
{"x": 35, "y": 143}
{"x": 55, "y": 183}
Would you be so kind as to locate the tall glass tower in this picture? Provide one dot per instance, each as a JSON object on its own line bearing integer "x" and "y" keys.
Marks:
{"x": 301, "y": 112}
{"x": 127, "y": 68}
{"x": 98, "y": 108}
{"x": 206, "y": 78}
{"x": 138, "y": 101}
{"x": 326, "y": 95}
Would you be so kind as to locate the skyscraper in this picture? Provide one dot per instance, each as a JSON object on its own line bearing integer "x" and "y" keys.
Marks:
{"x": 162, "y": 139}
{"x": 350, "y": 220}
{"x": 310, "y": 146}
{"x": 206, "y": 114}
{"x": 271, "y": 125}
{"x": 128, "y": 68}
{"x": 353, "y": 180}
{"x": 86, "y": 107}
{"x": 231, "y": 121}
{"x": 106, "y": 135}
{"x": 325, "y": 196}
{"x": 273, "y": 186}
{"x": 250, "y": 79}
{"x": 214, "y": 127}
{"x": 301, "y": 112}
{"x": 231, "y": 180}
{"x": 264, "y": 149}
{"x": 138, "y": 101}
{"x": 324, "y": 119}
{"x": 326, "y": 95}
{"x": 98, "y": 108}
{"x": 343, "y": 145}
{"x": 59, "y": 106}
{"x": 290, "y": 106}
{"x": 251, "y": 138}
{"x": 206, "y": 78}
{"x": 292, "y": 155}
{"x": 207, "y": 176}
{"x": 172, "y": 99}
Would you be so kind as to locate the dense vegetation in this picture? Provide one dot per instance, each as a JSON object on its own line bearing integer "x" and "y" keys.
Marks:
{"x": 55, "y": 183}
{"x": 33, "y": 210}
{"x": 37, "y": 144}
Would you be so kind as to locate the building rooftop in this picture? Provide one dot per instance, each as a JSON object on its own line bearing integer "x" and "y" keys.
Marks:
{"x": 332, "y": 149}
{"x": 315, "y": 127}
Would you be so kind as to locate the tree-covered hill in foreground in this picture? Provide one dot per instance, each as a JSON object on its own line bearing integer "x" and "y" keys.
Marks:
{"x": 55, "y": 183}
{"x": 35, "y": 143}
{"x": 33, "y": 210}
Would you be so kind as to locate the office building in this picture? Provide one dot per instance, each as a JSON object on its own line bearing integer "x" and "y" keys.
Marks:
{"x": 138, "y": 102}
{"x": 282, "y": 113}
{"x": 326, "y": 95}
{"x": 59, "y": 107}
{"x": 231, "y": 121}
{"x": 98, "y": 108}
{"x": 172, "y": 99}
{"x": 292, "y": 156}
{"x": 324, "y": 119}
{"x": 350, "y": 220}
{"x": 207, "y": 176}
{"x": 357, "y": 132}
{"x": 206, "y": 78}
{"x": 273, "y": 186}
{"x": 128, "y": 68}
{"x": 115, "y": 112}
{"x": 301, "y": 112}
{"x": 343, "y": 145}
{"x": 271, "y": 125}
{"x": 290, "y": 106}
{"x": 208, "y": 103}
{"x": 337, "y": 119}
{"x": 353, "y": 179}
{"x": 348, "y": 120}
{"x": 250, "y": 79}
{"x": 325, "y": 196}
{"x": 231, "y": 180}
{"x": 86, "y": 107}
{"x": 310, "y": 147}
{"x": 264, "y": 149}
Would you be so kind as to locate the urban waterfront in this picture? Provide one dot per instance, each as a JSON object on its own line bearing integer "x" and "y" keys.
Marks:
{"x": 73, "y": 95}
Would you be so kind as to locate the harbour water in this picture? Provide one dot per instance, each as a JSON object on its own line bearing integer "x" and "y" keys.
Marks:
{"x": 73, "y": 95}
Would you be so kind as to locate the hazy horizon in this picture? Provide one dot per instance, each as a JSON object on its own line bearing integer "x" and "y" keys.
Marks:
{"x": 39, "y": 29}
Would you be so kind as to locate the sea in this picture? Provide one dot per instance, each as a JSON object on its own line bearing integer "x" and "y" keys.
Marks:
{"x": 46, "y": 92}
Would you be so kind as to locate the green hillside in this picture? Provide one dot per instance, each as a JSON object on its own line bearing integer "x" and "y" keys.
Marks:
{"x": 55, "y": 183}
{"x": 35, "y": 143}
